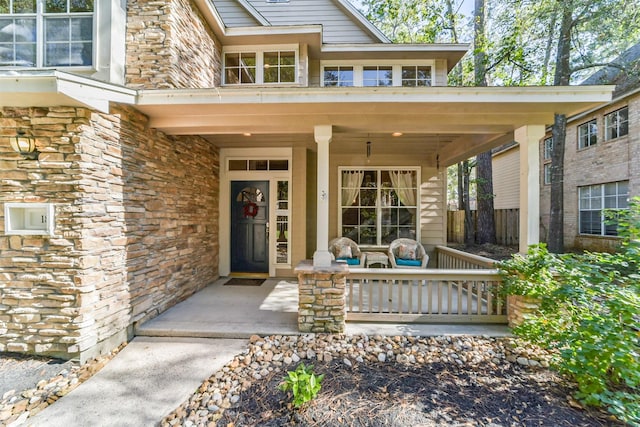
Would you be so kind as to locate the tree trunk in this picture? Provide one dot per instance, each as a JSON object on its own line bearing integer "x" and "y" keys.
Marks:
{"x": 486, "y": 226}
{"x": 461, "y": 196}
{"x": 469, "y": 229}
{"x": 555, "y": 240}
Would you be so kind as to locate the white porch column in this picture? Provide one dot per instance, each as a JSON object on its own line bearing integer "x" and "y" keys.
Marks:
{"x": 529, "y": 139}
{"x": 322, "y": 257}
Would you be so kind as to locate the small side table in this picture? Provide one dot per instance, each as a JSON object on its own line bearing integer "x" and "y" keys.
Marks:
{"x": 376, "y": 258}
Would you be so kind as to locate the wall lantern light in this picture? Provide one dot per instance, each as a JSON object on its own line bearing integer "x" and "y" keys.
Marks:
{"x": 25, "y": 145}
{"x": 368, "y": 149}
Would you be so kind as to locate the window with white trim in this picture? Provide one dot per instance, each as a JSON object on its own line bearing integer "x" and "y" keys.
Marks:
{"x": 588, "y": 134}
{"x": 595, "y": 200}
{"x": 47, "y": 33}
{"x": 338, "y": 76}
{"x": 378, "y": 205}
{"x": 547, "y": 149}
{"x": 416, "y": 75}
{"x": 269, "y": 66}
{"x": 371, "y": 74}
{"x": 616, "y": 124}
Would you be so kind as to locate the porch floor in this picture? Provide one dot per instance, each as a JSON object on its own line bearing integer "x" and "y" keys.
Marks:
{"x": 219, "y": 311}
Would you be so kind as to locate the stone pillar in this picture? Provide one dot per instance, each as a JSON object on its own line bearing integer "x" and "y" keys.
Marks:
{"x": 322, "y": 257}
{"x": 322, "y": 300}
{"x": 529, "y": 139}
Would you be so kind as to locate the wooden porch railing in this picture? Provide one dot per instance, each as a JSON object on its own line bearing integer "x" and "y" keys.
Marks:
{"x": 453, "y": 258}
{"x": 425, "y": 296}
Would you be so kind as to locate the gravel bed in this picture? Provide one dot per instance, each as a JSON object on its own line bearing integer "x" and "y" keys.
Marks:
{"x": 244, "y": 392}
{"x": 31, "y": 383}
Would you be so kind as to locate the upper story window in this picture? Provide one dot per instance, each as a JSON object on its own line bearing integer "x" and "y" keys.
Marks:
{"x": 254, "y": 66}
{"x": 369, "y": 74}
{"x": 374, "y": 75}
{"x": 616, "y": 124}
{"x": 587, "y": 134}
{"x": 416, "y": 75}
{"x": 548, "y": 149}
{"x": 338, "y": 76}
{"x": 46, "y": 33}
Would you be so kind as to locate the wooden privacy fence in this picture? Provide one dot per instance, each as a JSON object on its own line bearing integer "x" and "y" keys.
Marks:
{"x": 507, "y": 226}
{"x": 425, "y": 296}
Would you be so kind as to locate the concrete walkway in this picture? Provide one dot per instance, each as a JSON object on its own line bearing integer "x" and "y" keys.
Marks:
{"x": 175, "y": 352}
{"x": 145, "y": 382}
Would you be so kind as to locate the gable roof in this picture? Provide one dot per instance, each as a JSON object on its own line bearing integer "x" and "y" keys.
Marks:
{"x": 341, "y": 21}
{"x": 625, "y": 76}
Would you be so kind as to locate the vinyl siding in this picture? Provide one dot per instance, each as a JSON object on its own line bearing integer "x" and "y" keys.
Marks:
{"x": 337, "y": 26}
{"x": 506, "y": 179}
{"x": 234, "y": 15}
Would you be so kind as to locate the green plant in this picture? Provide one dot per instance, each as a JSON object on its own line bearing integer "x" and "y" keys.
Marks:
{"x": 531, "y": 274}
{"x": 590, "y": 314}
{"x": 303, "y": 383}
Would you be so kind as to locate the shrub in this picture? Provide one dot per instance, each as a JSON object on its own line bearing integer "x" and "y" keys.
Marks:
{"x": 590, "y": 314}
{"x": 303, "y": 383}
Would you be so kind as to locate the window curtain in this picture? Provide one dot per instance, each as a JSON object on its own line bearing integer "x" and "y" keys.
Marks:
{"x": 351, "y": 181}
{"x": 403, "y": 186}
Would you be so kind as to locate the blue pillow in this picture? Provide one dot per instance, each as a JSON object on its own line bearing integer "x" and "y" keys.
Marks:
{"x": 350, "y": 261}
{"x": 409, "y": 262}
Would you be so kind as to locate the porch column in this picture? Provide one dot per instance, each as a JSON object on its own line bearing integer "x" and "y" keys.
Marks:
{"x": 322, "y": 257}
{"x": 529, "y": 139}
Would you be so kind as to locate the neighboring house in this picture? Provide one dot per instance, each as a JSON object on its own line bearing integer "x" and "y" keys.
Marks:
{"x": 506, "y": 183}
{"x": 601, "y": 161}
{"x": 181, "y": 141}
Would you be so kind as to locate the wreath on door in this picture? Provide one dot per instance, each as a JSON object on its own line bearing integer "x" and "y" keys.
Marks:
{"x": 250, "y": 209}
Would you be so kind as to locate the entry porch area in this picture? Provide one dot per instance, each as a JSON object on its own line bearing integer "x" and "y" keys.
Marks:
{"x": 419, "y": 302}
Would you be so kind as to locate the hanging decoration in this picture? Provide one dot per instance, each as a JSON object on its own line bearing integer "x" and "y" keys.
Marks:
{"x": 250, "y": 209}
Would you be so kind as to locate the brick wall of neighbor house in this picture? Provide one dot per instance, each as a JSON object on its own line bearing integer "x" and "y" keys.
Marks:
{"x": 135, "y": 228}
{"x": 169, "y": 45}
{"x": 607, "y": 161}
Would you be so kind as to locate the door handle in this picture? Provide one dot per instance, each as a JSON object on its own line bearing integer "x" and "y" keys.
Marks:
{"x": 267, "y": 229}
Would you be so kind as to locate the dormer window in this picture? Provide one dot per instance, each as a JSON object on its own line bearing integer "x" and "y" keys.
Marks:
{"x": 266, "y": 66}
{"x": 373, "y": 74}
{"x": 46, "y": 33}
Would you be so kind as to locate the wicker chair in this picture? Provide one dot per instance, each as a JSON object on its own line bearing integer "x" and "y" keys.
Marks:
{"x": 407, "y": 253}
{"x": 345, "y": 249}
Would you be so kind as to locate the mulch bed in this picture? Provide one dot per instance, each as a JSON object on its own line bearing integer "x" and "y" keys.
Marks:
{"x": 435, "y": 394}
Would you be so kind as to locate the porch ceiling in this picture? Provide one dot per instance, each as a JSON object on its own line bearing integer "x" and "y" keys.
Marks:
{"x": 455, "y": 122}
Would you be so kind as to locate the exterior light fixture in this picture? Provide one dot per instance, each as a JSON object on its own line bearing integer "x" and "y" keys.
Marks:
{"x": 25, "y": 145}
{"x": 247, "y": 134}
{"x": 396, "y": 134}
{"x": 368, "y": 149}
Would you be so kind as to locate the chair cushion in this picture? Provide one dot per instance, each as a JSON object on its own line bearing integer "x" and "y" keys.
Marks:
{"x": 407, "y": 251}
{"x": 344, "y": 252}
{"x": 409, "y": 262}
{"x": 350, "y": 261}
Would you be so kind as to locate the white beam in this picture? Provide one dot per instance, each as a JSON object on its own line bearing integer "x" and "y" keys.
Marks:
{"x": 529, "y": 138}
{"x": 322, "y": 257}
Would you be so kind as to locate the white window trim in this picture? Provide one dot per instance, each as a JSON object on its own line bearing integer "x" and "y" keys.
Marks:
{"x": 259, "y": 50}
{"x": 606, "y": 124}
{"x": 580, "y": 147}
{"x": 602, "y": 208}
{"x": 358, "y": 67}
{"x": 40, "y": 16}
{"x": 415, "y": 169}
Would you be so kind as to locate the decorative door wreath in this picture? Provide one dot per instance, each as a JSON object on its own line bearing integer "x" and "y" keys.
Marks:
{"x": 250, "y": 209}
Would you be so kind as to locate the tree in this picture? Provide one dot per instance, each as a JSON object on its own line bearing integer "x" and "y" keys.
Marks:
{"x": 486, "y": 226}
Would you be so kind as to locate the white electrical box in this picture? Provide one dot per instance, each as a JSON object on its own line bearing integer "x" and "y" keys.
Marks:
{"x": 29, "y": 218}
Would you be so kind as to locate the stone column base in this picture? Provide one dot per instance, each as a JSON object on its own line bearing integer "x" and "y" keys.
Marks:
{"x": 322, "y": 301}
{"x": 518, "y": 307}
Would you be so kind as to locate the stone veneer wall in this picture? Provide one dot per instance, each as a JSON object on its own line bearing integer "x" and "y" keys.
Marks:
{"x": 169, "y": 45}
{"x": 135, "y": 228}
